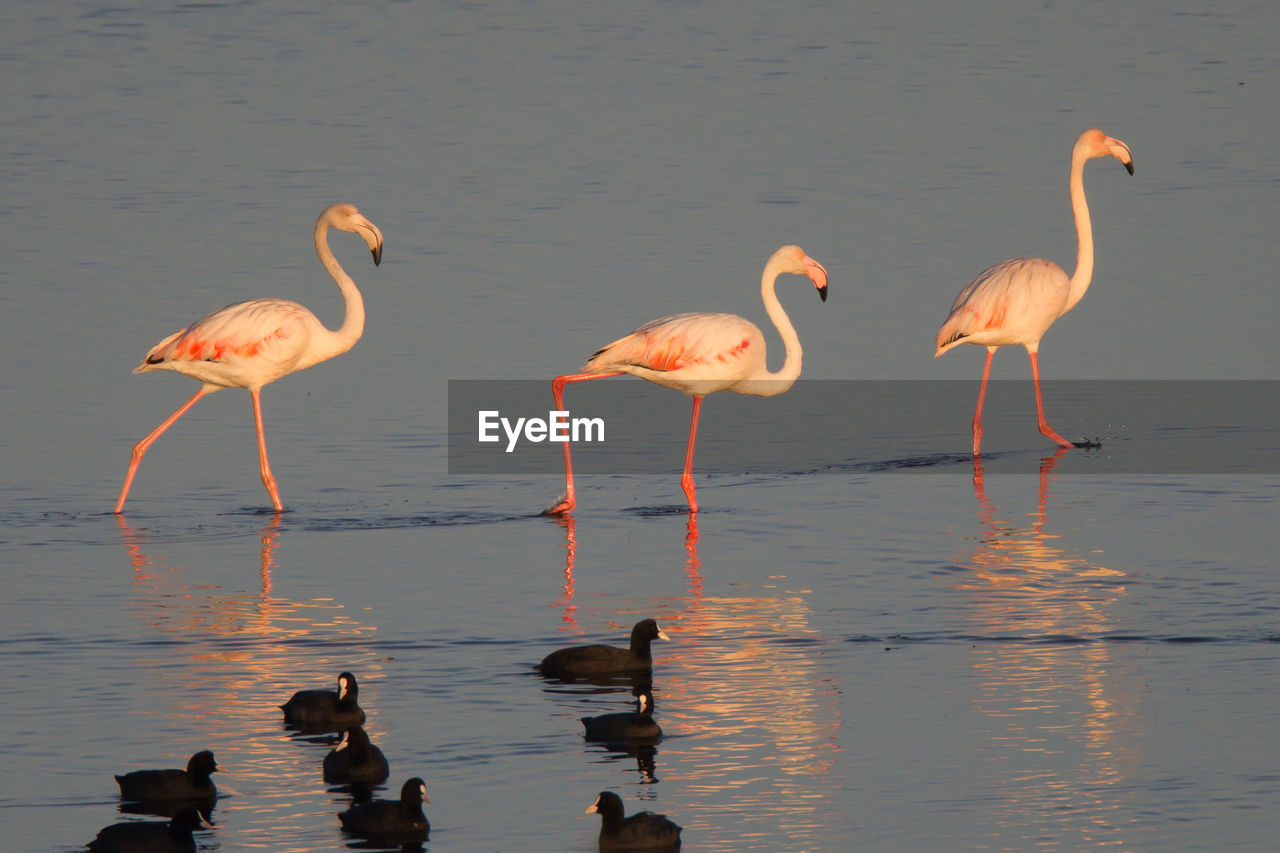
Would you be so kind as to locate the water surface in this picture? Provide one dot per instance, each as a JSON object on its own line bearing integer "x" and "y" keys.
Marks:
{"x": 1052, "y": 651}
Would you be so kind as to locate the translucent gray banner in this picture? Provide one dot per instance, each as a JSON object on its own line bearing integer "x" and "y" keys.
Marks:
{"x": 627, "y": 426}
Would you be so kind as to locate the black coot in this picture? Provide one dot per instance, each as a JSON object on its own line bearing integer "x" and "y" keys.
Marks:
{"x": 641, "y": 831}
{"x": 596, "y": 660}
{"x": 326, "y": 710}
{"x": 190, "y": 784}
{"x": 401, "y": 820}
{"x": 355, "y": 759}
{"x": 625, "y": 725}
{"x": 150, "y": 836}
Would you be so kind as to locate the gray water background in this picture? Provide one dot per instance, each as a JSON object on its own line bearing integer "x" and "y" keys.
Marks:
{"x": 1047, "y": 658}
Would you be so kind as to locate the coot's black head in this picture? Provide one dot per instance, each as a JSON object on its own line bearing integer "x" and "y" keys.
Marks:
{"x": 608, "y": 804}
{"x": 202, "y": 764}
{"x": 414, "y": 792}
{"x": 644, "y": 632}
{"x": 355, "y": 739}
{"x": 186, "y": 820}
{"x": 348, "y": 690}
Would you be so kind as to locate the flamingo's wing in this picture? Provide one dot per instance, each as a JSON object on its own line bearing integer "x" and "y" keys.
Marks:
{"x": 681, "y": 341}
{"x": 242, "y": 330}
{"x": 1003, "y": 295}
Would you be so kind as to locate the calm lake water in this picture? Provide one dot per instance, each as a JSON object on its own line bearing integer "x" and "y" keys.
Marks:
{"x": 1047, "y": 651}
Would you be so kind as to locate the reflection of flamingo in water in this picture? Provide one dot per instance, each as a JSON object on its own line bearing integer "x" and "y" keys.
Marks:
{"x": 230, "y": 686}
{"x": 726, "y": 671}
{"x": 1012, "y": 556}
{"x": 570, "y": 525}
{"x": 1042, "y": 684}
{"x": 216, "y": 650}
{"x": 691, "y": 562}
{"x": 1016, "y": 301}
{"x": 699, "y": 354}
{"x": 141, "y": 561}
{"x": 249, "y": 344}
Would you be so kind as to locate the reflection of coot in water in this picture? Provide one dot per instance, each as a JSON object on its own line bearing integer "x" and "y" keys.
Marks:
{"x": 355, "y": 759}
{"x": 150, "y": 836}
{"x": 600, "y": 660}
{"x": 401, "y": 819}
{"x": 641, "y": 831}
{"x": 644, "y": 752}
{"x": 326, "y": 710}
{"x": 626, "y": 725}
{"x": 190, "y": 784}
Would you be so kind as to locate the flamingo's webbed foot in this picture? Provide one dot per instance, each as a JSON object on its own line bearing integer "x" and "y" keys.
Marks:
{"x": 563, "y": 506}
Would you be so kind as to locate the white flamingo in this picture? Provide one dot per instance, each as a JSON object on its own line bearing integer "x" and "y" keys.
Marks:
{"x": 1016, "y": 301}
{"x": 248, "y": 344}
{"x": 699, "y": 354}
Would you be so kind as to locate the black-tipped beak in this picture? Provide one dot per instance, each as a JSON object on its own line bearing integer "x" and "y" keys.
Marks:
{"x": 822, "y": 292}
{"x": 1129, "y": 166}
{"x": 377, "y": 253}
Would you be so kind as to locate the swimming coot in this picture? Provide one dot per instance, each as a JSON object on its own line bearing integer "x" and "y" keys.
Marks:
{"x": 150, "y": 836}
{"x": 641, "y": 831}
{"x": 625, "y": 725}
{"x": 190, "y": 784}
{"x": 401, "y": 820}
{"x": 326, "y": 710}
{"x": 594, "y": 660}
{"x": 355, "y": 759}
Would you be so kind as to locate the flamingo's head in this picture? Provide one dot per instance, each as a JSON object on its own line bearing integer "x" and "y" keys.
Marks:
{"x": 1095, "y": 143}
{"x": 345, "y": 217}
{"x": 792, "y": 259}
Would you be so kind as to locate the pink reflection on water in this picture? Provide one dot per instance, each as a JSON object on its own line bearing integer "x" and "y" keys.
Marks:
{"x": 214, "y": 661}
{"x": 566, "y": 600}
{"x": 746, "y": 669}
{"x": 1063, "y": 722}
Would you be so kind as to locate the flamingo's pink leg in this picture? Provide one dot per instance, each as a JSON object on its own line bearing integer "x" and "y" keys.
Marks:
{"x": 1045, "y": 429}
{"x": 140, "y": 449}
{"x": 982, "y": 394}
{"x": 686, "y": 480}
{"x": 567, "y": 502}
{"x": 267, "y": 479}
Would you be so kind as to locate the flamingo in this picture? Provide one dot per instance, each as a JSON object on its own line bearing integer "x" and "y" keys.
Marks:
{"x": 248, "y": 344}
{"x": 699, "y": 354}
{"x": 1016, "y": 301}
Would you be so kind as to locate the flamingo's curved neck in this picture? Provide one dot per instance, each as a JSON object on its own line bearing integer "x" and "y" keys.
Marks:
{"x": 346, "y": 335}
{"x": 1084, "y": 235}
{"x": 769, "y": 383}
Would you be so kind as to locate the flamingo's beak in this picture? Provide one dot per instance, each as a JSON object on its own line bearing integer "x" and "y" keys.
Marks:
{"x": 1120, "y": 151}
{"x": 372, "y": 238}
{"x": 817, "y": 273}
